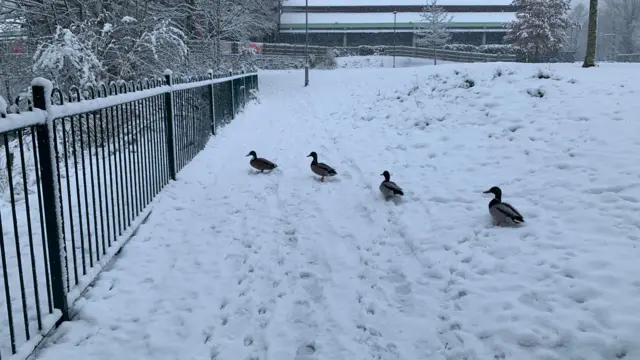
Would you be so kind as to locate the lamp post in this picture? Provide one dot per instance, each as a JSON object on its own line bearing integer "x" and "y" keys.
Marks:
{"x": 306, "y": 42}
{"x": 394, "y": 37}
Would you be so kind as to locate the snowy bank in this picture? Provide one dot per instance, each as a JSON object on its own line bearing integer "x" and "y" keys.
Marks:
{"x": 238, "y": 265}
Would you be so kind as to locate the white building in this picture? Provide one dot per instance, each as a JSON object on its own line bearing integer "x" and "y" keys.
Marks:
{"x": 372, "y": 22}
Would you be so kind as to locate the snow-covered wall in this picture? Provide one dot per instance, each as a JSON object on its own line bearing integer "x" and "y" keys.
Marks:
{"x": 390, "y": 2}
{"x": 402, "y": 19}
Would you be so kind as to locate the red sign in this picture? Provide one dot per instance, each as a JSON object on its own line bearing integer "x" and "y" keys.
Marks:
{"x": 16, "y": 48}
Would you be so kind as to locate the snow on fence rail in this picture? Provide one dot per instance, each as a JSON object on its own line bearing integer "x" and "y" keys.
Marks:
{"x": 79, "y": 173}
{"x": 408, "y": 51}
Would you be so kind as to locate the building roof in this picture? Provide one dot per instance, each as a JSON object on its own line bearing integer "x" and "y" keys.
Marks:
{"x": 403, "y": 21}
{"x": 390, "y": 2}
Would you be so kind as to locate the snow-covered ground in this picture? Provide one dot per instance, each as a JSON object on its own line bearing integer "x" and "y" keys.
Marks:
{"x": 234, "y": 265}
{"x": 379, "y": 61}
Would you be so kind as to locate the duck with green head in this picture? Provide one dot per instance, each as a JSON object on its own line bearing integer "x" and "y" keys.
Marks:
{"x": 319, "y": 168}
{"x": 502, "y": 212}
{"x": 260, "y": 163}
{"x": 388, "y": 188}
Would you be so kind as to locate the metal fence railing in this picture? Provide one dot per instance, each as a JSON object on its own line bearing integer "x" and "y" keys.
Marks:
{"x": 449, "y": 55}
{"x": 628, "y": 58}
{"x": 409, "y": 51}
{"x": 79, "y": 172}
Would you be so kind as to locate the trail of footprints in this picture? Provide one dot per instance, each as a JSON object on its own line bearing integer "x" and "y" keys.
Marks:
{"x": 370, "y": 277}
{"x": 242, "y": 311}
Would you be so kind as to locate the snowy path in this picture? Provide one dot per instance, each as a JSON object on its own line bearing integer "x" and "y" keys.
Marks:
{"x": 234, "y": 265}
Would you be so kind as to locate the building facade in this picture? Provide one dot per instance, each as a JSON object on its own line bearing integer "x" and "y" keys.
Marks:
{"x": 373, "y": 22}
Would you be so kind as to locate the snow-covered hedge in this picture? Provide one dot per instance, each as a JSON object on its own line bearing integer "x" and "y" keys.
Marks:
{"x": 502, "y": 49}
{"x": 367, "y": 50}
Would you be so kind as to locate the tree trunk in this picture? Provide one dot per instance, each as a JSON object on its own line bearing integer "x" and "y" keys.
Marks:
{"x": 590, "y": 57}
{"x": 434, "y": 55}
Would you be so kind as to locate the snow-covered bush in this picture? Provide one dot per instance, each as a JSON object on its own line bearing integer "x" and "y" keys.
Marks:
{"x": 329, "y": 61}
{"x": 543, "y": 74}
{"x": 498, "y": 72}
{"x": 461, "y": 47}
{"x": 536, "y": 92}
{"x": 506, "y": 49}
{"x": 106, "y": 49}
{"x": 68, "y": 59}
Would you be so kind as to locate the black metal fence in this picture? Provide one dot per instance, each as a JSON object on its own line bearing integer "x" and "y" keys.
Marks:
{"x": 79, "y": 173}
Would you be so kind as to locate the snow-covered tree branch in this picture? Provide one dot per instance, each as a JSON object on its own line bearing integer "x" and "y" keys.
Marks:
{"x": 432, "y": 30}
{"x": 120, "y": 49}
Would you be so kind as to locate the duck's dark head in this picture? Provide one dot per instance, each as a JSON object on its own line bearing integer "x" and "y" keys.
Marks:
{"x": 386, "y": 175}
{"x": 313, "y": 155}
{"x": 252, "y": 153}
{"x": 495, "y": 191}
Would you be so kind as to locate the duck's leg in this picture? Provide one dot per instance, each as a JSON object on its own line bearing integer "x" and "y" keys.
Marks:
{"x": 322, "y": 178}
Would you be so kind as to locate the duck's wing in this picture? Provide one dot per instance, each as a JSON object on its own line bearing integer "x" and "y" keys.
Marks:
{"x": 327, "y": 168}
{"x": 392, "y": 187}
{"x": 509, "y": 211}
{"x": 266, "y": 162}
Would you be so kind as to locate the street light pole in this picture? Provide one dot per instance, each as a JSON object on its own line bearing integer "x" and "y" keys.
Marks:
{"x": 306, "y": 42}
{"x": 394, "y": 38}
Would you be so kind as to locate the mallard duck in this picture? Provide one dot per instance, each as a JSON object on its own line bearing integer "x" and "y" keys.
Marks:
{"x": 388, "y": 187}
{"x": 321, "y": 169}
{"x": 260, "y": 163}
{"x": 501, "y": 212}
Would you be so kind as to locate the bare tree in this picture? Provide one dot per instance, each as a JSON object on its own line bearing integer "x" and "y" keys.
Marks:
{"x": 432, "y": 30}
{"x": 236, "y": 20}
{"x": 579, "y": 13}
{"x": 592, "y": 35}
{"x": 130, "y": 38}
{"x": 626, "y": 15}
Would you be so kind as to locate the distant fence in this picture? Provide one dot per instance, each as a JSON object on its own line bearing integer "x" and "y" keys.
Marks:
{"x": 408, "y": 51}
{"x": 79, "y": 172}
{"x": 628, "y": 58}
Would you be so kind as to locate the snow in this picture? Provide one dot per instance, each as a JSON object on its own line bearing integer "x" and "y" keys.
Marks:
{"x": 128, "y": 19}
{"x": 72, "y": 206}
{"x": 385, "y": 18}
{"x": 48, "y": 89}
{"x": 379, "y": 61}
{"x": 232, "y": 264}
{"x": 108, "y": 27}
{"x": 168, "y": 72}
{"x": 18, "y": 121}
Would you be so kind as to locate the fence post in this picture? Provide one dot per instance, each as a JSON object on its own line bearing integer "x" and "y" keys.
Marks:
{"x": 213, "y": 105}
{"x": 244, "y": 88}
{"x": 52, "y": 209}
{"x": 233, "y": 97}
{"x": 168, "y": 117}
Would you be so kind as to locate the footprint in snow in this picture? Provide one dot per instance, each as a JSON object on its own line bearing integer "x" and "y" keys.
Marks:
{"x": 306, "y": 352}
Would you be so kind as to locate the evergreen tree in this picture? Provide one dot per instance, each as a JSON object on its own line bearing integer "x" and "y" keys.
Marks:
{"x": 539, "y": 28}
